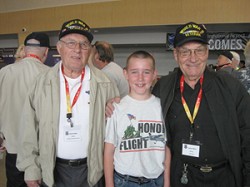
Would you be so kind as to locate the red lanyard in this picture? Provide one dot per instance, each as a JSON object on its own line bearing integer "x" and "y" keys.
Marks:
{"x": 69, "y": 106}
{"x": 184, "y": 103}
{"x": 34, "y": 56}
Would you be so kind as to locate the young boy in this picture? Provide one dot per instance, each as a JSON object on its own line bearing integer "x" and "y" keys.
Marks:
{"x": 135, "y": 145}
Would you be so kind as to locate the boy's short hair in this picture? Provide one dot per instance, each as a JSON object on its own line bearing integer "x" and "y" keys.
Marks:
{"x": 141, "y": 54}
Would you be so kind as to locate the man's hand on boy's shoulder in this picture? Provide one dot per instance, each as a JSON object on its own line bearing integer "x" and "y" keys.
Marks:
{"x": 110, "y": 107}
{"x": 2, "y": 147}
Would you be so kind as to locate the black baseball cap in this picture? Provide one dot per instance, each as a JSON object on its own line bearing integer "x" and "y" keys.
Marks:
{"x": 76, "y": 26}
{"x": 227, "y": 54}
{"x": 190, "y": 32}
{"x": 43, "y": 38}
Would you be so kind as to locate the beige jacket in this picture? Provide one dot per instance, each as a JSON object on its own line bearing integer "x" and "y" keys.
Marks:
{"x": 15, "y": 80}
{"x": 41, "y": 119}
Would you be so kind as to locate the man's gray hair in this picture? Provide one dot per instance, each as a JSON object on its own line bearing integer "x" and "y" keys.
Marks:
{"x": 247, "y": 53}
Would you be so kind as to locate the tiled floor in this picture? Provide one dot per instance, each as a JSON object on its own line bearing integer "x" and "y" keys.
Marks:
{"x": 2, "y": 173}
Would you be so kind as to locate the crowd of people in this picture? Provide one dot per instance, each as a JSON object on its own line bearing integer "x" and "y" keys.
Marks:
{"x": 87, "y": 122}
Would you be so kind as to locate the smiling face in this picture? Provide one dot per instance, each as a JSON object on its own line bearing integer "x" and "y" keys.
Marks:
{"x": 192, "y": 60}
{"x": 74, "y": 59}
{"x": 140, "y": 73}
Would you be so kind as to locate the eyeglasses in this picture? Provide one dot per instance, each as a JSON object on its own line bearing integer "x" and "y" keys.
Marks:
{"x": 72, "y": 44}
{"x": 199, "y": 52}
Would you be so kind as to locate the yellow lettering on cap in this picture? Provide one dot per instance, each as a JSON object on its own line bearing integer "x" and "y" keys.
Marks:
{"x": 196, "y": 27}
{"x": 186, "y": 28}
{"x": 192, "y": 33}
{"x": 70, "y": 23}
{"x": 81, "y": 23}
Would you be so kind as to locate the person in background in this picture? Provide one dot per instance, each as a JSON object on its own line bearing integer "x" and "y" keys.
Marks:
{"x": 2, "y": 62}
{"x": 242, "y": 64}
{"x": 20, "y": 53}
{"x": 212, "y": 67}
{"x": 235, "y": 60}
{"x": 64, "y": 117}
{"x": 137, "y": 121}
{"x": 206, "y": 115}
{"x": 224, "y": 62}
{"x": 104, "y": 60}
{"x": 15, "y": 81}
{"x": 244, "y": 73}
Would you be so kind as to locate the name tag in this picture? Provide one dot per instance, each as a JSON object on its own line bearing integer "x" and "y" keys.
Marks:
{"x": 72, "y": 134}
{"x": 190, "y": 150}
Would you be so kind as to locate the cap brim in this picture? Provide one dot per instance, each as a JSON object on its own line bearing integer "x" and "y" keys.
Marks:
{"x": 85, "y": 33}
{"x": 193, "y": 39}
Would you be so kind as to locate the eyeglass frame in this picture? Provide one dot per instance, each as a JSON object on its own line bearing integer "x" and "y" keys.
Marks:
{"x": 202, "y": 49}
{"x": 69, "y": 44}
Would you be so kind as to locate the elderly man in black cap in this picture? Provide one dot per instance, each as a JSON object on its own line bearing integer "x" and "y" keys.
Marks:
{"x": 65, "y": 118}
{"x": 15, "y": 80}
{"x": 207, "y": 117}
{"x": 224, "y": 62}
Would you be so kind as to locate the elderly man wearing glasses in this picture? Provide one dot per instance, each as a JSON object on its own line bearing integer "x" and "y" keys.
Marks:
{"x": 207, "y": 117}
{"x": 64, "y": 117}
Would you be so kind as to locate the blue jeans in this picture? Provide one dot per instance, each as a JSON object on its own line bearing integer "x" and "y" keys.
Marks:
{"x": 124, "y": 182}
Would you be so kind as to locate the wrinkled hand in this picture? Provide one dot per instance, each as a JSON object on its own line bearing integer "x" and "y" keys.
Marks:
{"x": 110, "y": 107}
{"x": 35, "y": 183}
{"x": 2, "y": 148}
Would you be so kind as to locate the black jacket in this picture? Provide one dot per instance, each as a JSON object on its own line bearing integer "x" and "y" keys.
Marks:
{"x": 229, "y": 103}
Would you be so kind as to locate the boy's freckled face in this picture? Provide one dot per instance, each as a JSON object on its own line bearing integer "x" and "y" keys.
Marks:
{"x": 140, "y": 75}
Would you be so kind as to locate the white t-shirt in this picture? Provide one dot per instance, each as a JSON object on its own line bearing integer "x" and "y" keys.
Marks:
{"x": 73, "y": 141}
{"x": 137, "y": 131}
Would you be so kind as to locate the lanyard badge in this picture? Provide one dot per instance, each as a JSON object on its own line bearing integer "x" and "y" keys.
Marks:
{"x": 191, "y": 148}
{"x": 69, "y": 105}
{"x": 185, "y": 106}
{"x": 187, "y": 148}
